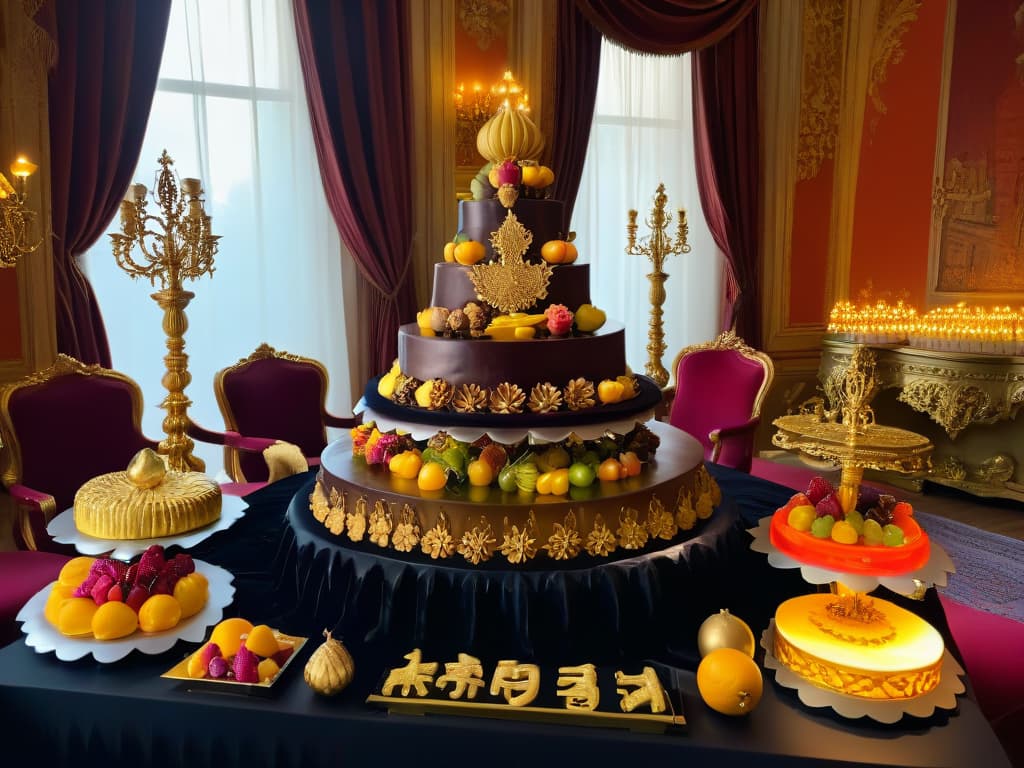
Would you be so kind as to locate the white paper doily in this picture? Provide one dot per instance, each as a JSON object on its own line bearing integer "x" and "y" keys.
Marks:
{"x": 62, "y": 530}
{"x": 931, "y": 573}
{"x": 503, "y": 434}
{"x": 45, "y": 638}
{"x": 943, "y": 696}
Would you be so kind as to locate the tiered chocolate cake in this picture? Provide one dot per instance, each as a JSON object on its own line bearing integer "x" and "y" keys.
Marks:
{"x": 510, "y": 426}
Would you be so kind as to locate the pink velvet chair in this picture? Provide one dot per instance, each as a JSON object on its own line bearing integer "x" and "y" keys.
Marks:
{"x": 717, "y": 396}
{"x": 275, "y": 395}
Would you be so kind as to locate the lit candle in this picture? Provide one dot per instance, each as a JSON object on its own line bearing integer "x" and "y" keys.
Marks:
{"x": 22, "y": 168}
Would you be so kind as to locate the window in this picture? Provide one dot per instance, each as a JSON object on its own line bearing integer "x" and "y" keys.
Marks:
{"x": 230, "y": 108}
{"x": 642, "y": 135}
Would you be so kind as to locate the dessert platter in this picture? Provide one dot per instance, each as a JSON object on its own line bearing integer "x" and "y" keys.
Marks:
{"x": 509, "y": 435}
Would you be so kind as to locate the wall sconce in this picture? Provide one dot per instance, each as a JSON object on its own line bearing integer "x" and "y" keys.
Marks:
{"x": 16, "y": 221}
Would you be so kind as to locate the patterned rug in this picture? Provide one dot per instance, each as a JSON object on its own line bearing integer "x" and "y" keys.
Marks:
{"x": 989, "y": 567}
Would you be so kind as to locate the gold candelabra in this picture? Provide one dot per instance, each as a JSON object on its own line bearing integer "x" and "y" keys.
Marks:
{"x": 182, "y": 249}
{"x": 16, "y": 220}
{"x": 474, "y": 109}
{"x": 657, "y": 247}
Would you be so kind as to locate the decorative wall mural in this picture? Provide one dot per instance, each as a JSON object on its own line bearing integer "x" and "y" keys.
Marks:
{"x": 484, "y": 20}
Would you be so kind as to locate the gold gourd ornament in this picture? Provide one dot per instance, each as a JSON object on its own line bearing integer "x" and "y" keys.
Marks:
{"x": 509, "y": 135}
{"x": 331, "y": 668}
{"x": 723, "y": 630}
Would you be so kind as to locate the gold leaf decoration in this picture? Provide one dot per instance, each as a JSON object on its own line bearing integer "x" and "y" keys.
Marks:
{"x": 405, "y": 390}
{"x": 484, "y": 20}
{"x": 686, "y": 515}
{"x": 660, "y": 521}
{"x": 438, "y": 541}
{"x": 318, "y": 503}
{"x": 518, "y": 546}
{"x": 894, "y": 19}
{"x": 545, "y": 398}
{"x": 477, "y": 545}
{"x": 632, "y": 534}
{"x": 470, "y": 398}
{"x": 821, "y": 85}
{"x": 507, "y": 398}
{"x": 600, "y": 540}
{"x": 335, "y": 519}
{"x": 380, "y": 524}
{"x": 511, "y": 284}
{"x": 579, "y": 394}
{"x": 407, "y": 532}
{"x": 440, "y": 394}
{"x": 356, "y": 520}
{"x": 565, "y": 542}
{"x": 704, "y": 506}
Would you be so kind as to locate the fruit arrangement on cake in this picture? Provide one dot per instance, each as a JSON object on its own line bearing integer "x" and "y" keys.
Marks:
{"x": 109, "y": 599}
{"x": 878, "y": 536}
{"x": 510, "y": 424}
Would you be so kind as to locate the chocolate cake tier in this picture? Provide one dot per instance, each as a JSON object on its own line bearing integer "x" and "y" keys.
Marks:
{"x": 488, "y": 362}
{"x": 664, "y": 504}
{"x": 569, "y": 285}
{"x": 479, "y": 218}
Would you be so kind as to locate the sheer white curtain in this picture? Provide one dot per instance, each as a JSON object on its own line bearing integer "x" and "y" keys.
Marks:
{"x": 230, "y": 109}
{"x": 642, "y": 135}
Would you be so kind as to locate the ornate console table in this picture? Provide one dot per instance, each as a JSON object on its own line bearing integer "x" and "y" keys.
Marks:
{"x": 970, "y": 401}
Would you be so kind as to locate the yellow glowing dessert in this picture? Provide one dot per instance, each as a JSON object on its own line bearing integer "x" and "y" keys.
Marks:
{"x": 146, "y": 502}
{"x": 858, "y": 645}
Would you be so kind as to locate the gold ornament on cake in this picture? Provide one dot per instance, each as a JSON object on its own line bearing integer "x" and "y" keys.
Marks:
{"x": 509, "y": 134}
{"x": 632, "y": 534}
{"x": 356, "y": 520}
{"x": 511, "y": 284}
{"x": 565, "y": 542}
{"x": 318, "y": 503}
{"x": 470, "y": 398}
{"x": 545, "y": 398}
{"x": 579, "y": 394}
{"x": 477, "y": 545}
{"x": 335, "y": 519}
{"x": 478, "y": 318}
{"x": 380, "y": 524}
{"x": 440, "y": 394}
{"x": 600, "y": 541}
{"x": 686, "y": 515}
{"x": 147, "y": 469}
{"x": 438, "y": 541}
{"x": 407, "y": 533}
{"x": 405, "y": 390}
{"x": 457, "y": 321}
{"x": 507, "y": 398}
{"x": 660, "y": 522}
{"x": 518, "y": 546}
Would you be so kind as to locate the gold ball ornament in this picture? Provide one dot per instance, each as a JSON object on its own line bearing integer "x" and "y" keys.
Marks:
{"x": 147, "y": 469}
{"x": 730, "y": 682}
{"x": 330, "y": 668}
{"x": 723, "y": 630}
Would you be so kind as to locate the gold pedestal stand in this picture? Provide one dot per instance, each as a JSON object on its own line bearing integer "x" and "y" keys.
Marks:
{"x": 856, "y": 442}
{"x": 183, "y": 250}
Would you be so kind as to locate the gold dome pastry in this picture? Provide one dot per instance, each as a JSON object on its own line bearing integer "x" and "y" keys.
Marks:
{"x": 146, "y": 501}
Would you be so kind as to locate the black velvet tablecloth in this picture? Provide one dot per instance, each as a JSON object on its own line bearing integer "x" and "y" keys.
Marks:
{"x": 644, "y": 610}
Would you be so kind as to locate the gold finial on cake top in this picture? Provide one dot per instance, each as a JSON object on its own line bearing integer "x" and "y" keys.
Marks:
{"x": 511, "y": 284}
{"x": 147, "y": 469}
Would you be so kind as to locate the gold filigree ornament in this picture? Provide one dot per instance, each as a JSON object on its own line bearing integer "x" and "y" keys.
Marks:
{"x": 438, "y": 541}
{"x": 477, "y": 545}
{"x": 517, "y": 545}
{"x": 380, "y": 524}
{"x": 686, "y": 515}
{"x": 564, "y": 543}
{"x": 545, "y": 398}
{"x": 507, "y": 398}
{"x": 600, "y": 541}
{"x": 660, "y": 522}
{"x": 470, "y": 398}
{"x": 632, "y": 534}
{"x": 579, "y": 394}
{"x": 407, "y": 532}
{"x": 511, "y": 284}
{"x": 335, "y": 519}
{"x": 318, "y": 503}
{"x": 356, "y": 520}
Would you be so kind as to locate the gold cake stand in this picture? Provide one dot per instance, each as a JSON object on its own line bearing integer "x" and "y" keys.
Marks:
{"x": 855, "y": 442}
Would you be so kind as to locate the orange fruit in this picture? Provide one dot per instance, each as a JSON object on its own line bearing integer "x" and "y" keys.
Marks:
{"x": 631, "y": 464}
{"x": 547, "y": 177}
{"x": 492, "y": 177}
{"x": 228, "y": 635}
{"x": 554, "y": 251}
{"x": 158, "y": 613}
{"x": 112, "y": 620}
{"x": 58, "y": 595}
{"x": 196, "y": 668}
{"x": 406, "y": 464}
{"x": 544, "y": 483}
{"x": 729, "y": 681}
{"x": 570, "y": 253}
{"x": 449, "y": 251}
{"x": 75, "y": 616}
{"x": 431, "y": 477}
{"x": 560, "y": 481}
{"x": 191, "y": 592}
{"x": 469, "y": 252}
{"x": 609, "y": 391}
{"x": 75, "y": 570}
{"x": 261, "y": 641}
{"x": 531, "y": 175}
{"x": 267, "y": 670}
{"x": 480, "y": 472}
{"x": 610, "y": 470}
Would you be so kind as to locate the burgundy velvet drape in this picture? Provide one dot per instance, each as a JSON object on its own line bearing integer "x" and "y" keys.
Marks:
{"x": 723, "y": 36}
{"x": 725, "y": 101}
{"x": 100, "y": 94}
{"x": 577, "y": 65}
{"x": 354, "y": 56}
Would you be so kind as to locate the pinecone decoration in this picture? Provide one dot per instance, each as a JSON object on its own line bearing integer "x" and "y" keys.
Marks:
{"x": 405, "y": 390}
{"x": 545, "y": 398}
{"x": 507, "y": 398}
{"x": 579, "y": 394}
{"x": 477, "y": 317}
{"x": 440, "y": 395}
{"x": 470, "y": 398}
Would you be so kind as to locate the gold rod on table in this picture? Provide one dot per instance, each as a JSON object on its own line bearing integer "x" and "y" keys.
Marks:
{"x": 656, "y": 248}
{"x": 182, "y": 249}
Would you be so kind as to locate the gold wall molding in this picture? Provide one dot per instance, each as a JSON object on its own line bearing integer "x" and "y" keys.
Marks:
{"x": 484, "y": 20}
{"x": 894, "y": 19}
{"x": 821, "y": 82}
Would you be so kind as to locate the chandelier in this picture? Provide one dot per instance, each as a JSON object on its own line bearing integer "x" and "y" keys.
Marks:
{"x": 16, "y": 221}
{"x": 475, "y": 108}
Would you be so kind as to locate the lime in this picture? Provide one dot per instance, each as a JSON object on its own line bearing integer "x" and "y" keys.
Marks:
{"x": 581, "y": 475}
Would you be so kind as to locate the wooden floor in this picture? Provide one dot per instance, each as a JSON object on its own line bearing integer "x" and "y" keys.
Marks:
{"x": 1003, "y": 516}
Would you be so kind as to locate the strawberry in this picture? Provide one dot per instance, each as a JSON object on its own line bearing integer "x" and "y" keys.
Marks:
{"x": 818, "y": 489}
{"x": 136, "y": 597}
{"x": 796, "y": 500}
{"x": 210, "y": 652}
{"x": 830, "y": 506}
{"x": 246, "y": 666}
{"x": 100, "y": 589}
{"x": 218, "y": 667}
{"x": 115, "y": 594}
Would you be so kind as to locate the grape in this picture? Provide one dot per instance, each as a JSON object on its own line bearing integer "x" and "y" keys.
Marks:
{"x": 872, "y": 533}
{"x": 879, "y": 515}
{"x": 855, "y": 519}
{"x": 867, "y": 498}
{"x": 844, "y": 533}
{"x": 892, "y": 535}
{"x": 822, "y": 526}
{"x": 801, "y": 517}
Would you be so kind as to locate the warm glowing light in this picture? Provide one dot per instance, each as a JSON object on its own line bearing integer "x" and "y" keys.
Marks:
{"x": 22, "y": 168}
